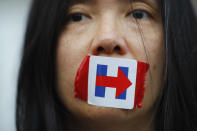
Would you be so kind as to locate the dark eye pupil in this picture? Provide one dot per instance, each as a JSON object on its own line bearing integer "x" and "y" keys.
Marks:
{"x": 138, "y": 15}
{"x": 76, "y": 17}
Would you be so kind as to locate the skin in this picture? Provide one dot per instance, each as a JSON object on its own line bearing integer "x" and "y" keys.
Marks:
{"x": 108, "y": 24}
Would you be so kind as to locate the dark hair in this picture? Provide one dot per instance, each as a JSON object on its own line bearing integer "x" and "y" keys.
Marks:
{"x": 38, "y": 107}
{"x": 178, "y": 103}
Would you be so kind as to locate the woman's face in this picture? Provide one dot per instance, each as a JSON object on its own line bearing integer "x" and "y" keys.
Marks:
{"x": 112, "y": 28}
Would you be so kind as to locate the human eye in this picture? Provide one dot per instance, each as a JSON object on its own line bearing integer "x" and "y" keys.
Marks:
{"x": 77, "y": 17}
{"x": 139, "y": 14}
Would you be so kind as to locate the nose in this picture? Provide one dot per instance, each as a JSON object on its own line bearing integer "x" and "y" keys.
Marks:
{"x": 108, "y": 46}
{"x": 108, "y": 39}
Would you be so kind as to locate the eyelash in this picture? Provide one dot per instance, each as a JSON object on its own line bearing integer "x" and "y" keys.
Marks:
{"x": 136, "y": 14}
{"x": 77, "y": 17}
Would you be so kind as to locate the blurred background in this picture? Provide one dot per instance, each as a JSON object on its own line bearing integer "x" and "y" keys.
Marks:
{"x": 13, "y": 16}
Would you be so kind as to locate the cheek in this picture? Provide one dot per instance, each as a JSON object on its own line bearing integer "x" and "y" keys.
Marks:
{"x": 72, "y": 48}
{"x": 148, "y": 46}
{"x": 155, "y": 53}
{"x": 69, "y": 56}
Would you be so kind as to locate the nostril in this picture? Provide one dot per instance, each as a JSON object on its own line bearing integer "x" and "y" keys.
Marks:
{"x": 108, "y": 48}
{"x": 100, "y": 49}
{"x": 117, "y": 48}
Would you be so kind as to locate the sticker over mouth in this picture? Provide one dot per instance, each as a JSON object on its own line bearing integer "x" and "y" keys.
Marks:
{"x": 111, "y": 82}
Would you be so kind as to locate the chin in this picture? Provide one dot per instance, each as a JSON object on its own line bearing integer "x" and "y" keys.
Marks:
{"x": 85, "y": 112}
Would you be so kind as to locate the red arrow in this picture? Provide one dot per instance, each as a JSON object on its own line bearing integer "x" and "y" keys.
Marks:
{"x": 121, "y": 82}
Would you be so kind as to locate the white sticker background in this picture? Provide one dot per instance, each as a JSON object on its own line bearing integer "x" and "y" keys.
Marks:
{"x": 110, "y": 93}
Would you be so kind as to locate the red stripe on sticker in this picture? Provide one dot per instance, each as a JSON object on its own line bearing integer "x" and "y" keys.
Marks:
{"x": 81, "y": 80}
{"x": 142, "y": 68}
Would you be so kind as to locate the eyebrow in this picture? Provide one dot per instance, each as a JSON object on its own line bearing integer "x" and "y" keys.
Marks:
{"x": 81, "y": 1}
{"x": 153, "y": 3}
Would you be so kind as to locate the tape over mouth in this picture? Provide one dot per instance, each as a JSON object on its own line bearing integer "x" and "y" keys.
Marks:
{"x": 111, "y": 82}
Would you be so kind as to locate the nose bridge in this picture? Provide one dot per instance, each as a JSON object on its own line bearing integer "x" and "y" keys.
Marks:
{"x": 107, "y": 38}
{"x": 107, "y": 26}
